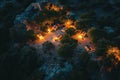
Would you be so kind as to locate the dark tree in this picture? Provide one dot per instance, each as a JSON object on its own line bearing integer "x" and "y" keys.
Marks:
{"x": 70, "y": 31}
{"x": 66, "y": 51}
{"x": 18, "y": 63}
{"x": 69, "y": 40}
{"x": 95, "y": 34}
{"x": 47, "y": 46}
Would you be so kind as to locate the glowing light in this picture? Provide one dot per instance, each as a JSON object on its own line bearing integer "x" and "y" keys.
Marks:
{"x": 115, "y": 51}
{"x": 53, "y": 7}
{"x": 87, "y": 48}
{"x": 55, "y": 39}
{"x": 50, "y": 29}
{"x": 69, "y": 24}
{"x": 80, "y": 35}
{"x": 72, "y": 26}
{"x": 40, "y": 37}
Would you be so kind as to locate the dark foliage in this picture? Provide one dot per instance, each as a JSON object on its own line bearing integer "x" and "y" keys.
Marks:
{"x": 18, "y": 63}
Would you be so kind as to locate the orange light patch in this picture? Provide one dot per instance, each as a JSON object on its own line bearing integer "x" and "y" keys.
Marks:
{"x": 115, "y": 51}
{"x": 55, "y": 39}
{"x": 40, "y": 37}
{"x": 80, "y": 35}
{"x": 53, "y": 7}
{"x": 69, "y": 24}
{"x": 50, "y": 29}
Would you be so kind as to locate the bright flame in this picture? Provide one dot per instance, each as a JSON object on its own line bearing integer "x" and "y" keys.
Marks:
{"x": 80, "y": 35}
{"x": 50, "y": 29}
{"x": 40, "y": 37}
{"x": 69, "y": 24}
{"x": 55, "y": 39}
{"x": 115, "y": 51}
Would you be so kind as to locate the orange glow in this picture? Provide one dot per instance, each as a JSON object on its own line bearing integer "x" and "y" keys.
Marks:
{"x": 40, "y": 37}
{"x": 50, "y": 29}
{"x": 80, "y": 35}
{"x": 72, "y": 26}
{"x": 115, "y": 51}
{"x": 55, "y": 39}
{"x": 69, "y": 24}
{"x": 53, "y": 7}
{"x": 47, "y": 22}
